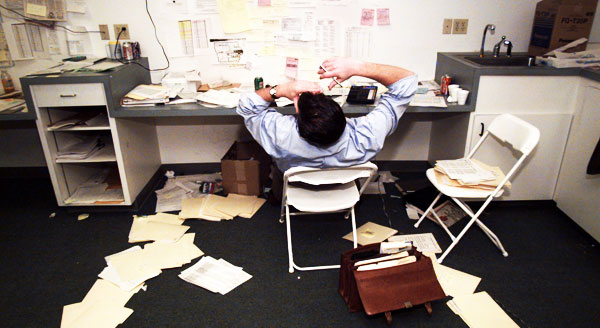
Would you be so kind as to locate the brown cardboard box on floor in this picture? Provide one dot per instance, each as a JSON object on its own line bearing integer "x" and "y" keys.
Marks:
{"x": 245, "y": 168}
{"x": 558, "y": 22}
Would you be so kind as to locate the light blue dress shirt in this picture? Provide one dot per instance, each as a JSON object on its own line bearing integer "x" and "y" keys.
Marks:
{"x": 362, "y": 139}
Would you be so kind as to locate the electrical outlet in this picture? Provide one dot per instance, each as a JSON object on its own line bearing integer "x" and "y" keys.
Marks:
{"x": 459, "y": 26}
{"x": 447, "y": 27}
{"x": 104, "y": 35}
{"x": 125, "y": 34}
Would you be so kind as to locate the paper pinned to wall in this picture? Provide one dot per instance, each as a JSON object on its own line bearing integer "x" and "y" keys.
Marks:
{"x": 358, "y": 42}
{"x": 4, "y": 51}
{"x": 203, "y": 7}
{"x": 383, "y": 16}
{"x": 300, "y": 27}
{"x": 327, "y": 34}
{"x": 234, "y": 15}
{"x": 228, "y": 51}
{"x": 76, "y": 6}
{"x": 174, "y": 7}
{"x": 291, "y": 67}
{"x": 185, "y": 35}
{"x": 78, "y": 43}
{"x": 18, "y": 41}
{"x": 334, "y": 2}
{"x": 277, "y": 8}
{"x": 367, "y": 16}
{"x": 302, "y": 3}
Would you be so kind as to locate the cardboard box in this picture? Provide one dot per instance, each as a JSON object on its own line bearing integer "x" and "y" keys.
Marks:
{"x": 558, "y": 22}
{"x": 245, "y": 168}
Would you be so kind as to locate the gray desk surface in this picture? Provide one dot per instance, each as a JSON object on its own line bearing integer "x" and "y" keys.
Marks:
{"x": 465, "y": 72}
{"x": 185, "y": 110}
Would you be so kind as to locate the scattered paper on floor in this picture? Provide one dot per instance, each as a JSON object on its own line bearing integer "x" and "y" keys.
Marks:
{"x": 218, "y": 276}
{"x": 103, "y": 306}
{"x": 455, "y": 282}
{"x": 480, "y": 311}
{"x": 215, "y": 208}
{"x": 150, "y": 228}
{"x": 370, "y": 233}
{"x": 424, "y": 242}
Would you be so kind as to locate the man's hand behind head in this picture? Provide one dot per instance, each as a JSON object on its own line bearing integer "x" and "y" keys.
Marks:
{"x": 293, "y": 89}
{"x": 341, "y": 68}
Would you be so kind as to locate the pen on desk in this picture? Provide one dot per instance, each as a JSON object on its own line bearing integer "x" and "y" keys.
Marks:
{"x": 333, "y": 78}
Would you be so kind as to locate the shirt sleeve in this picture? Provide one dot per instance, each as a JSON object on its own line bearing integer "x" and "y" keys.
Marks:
{"x": 372, "y": 129}
{"x": 268, "y": 127}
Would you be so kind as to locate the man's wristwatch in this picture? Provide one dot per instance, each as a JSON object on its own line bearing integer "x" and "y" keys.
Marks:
{"x": 273, "y": 92}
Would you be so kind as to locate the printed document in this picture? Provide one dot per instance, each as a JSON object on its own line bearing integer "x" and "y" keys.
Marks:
{"x": 424, "y": 242}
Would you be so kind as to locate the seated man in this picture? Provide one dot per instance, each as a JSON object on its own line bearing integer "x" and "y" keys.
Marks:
{"x": 320, "y": 135}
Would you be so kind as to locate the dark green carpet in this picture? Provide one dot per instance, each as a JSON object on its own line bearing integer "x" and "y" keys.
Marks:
{"x": 550, "y": 279}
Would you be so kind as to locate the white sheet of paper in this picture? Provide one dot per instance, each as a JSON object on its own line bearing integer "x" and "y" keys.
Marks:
{"x": 481, "y": 311}
{"x": 454, "y": 282}
{"x": 424, "y": 242}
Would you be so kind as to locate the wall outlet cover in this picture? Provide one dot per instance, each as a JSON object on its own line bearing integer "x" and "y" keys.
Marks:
{"x": 104, "y": 33}
{"x": 124, "y": 34}
{"x": 460, "y": 26}
{"x": 447, "y": 27}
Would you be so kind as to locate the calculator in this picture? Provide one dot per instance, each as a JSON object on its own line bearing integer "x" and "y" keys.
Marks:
{"x": 362, "y": 94}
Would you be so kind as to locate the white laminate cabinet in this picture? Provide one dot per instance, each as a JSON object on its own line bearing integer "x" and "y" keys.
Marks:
{"x": 536, "y": 178}
{"x": 577, "y": 193}
{"x": 548, "y": 102}
{"x": 118, "y": 172}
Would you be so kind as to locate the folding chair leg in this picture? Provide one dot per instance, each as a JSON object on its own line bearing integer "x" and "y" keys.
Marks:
{"x": 354, "y": 237}
{"x": 428, "y": 209}
{"x": 289, "y": 239}
{"x": 492, "y": 236}
{"x": 455, "y": 241}
{"x": 281, "y": 215}
{"x": 443, "y": 225}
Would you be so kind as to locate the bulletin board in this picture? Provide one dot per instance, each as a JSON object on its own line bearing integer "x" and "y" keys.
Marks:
{"x": 277, "y": 38}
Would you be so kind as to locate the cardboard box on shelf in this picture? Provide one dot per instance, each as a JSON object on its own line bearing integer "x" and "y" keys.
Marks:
{"x": 245, "y": 168}
{"x": 558, "y": 22}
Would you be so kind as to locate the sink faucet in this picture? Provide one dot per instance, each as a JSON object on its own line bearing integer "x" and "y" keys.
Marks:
{"x": 490, "y": 27}
{"x": 499, "y": 45}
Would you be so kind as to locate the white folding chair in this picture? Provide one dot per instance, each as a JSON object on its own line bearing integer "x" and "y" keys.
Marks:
{"x": 331, "y": 190}
{"x": 512, "y": 132}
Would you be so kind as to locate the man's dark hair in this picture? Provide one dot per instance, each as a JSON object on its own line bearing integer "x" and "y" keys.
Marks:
{"x": 321, "y": 120}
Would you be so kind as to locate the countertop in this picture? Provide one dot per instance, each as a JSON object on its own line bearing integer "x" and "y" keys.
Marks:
{"x": 463, "y": 72}
{"x": 467, "y": 73}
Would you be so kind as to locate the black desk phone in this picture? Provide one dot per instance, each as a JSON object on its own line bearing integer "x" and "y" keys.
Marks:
{"x": 362, "y": 94}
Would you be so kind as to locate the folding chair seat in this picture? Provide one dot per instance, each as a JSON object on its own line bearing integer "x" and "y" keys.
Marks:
{"x": 511, "y": 132}
{"x": 315, "y": 191}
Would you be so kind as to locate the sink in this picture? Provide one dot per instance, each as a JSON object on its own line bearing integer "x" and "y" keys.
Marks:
{"x": 500, "y": 61}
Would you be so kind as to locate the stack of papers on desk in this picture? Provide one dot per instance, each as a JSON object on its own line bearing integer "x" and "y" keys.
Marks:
{"x": 146, "y": 95}
{"x": 216, "y": 208}
{"x": 218, "y": 276}
{"x": 221, "y": 98}
{"x": 9, "y": 106}
{"x": 469, "y": 173}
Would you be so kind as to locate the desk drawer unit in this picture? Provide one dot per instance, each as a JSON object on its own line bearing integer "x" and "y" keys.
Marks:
{"x": 65, "y": 95}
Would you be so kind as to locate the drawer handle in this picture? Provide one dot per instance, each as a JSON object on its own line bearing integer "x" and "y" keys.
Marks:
{"x": 68, "y": 96}
{"x": 482, "y": 128}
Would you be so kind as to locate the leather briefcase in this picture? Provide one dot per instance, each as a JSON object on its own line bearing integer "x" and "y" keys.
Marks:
{"x": 387, "y": 289}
